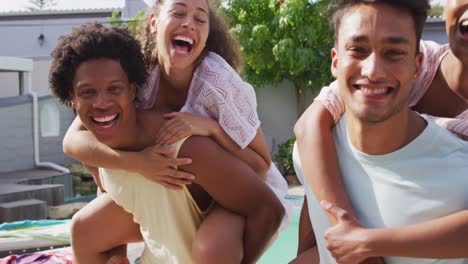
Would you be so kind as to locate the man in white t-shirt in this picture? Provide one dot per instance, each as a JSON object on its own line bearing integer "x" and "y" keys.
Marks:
{"x": 399, "y": 169}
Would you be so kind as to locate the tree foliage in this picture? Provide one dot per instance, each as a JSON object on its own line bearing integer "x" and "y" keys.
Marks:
{"x": 283, "y": 40}
{"x": 132, "y": 23}
{"x": 283, "y": 157}
{"x": 437, "y": 10}
{"x": 41, "y": 4}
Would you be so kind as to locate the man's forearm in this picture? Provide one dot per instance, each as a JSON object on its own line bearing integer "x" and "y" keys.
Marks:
{"x": 318, "y": 157}
{"x": 446, "y": 237}
{"x": 84, "y": 147}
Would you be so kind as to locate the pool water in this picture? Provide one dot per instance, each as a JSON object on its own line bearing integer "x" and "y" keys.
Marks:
{"x": 285, "y": 247}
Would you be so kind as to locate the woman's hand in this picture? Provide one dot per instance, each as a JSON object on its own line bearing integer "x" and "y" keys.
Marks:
{"x": 180, "y": 125}
{"x": 347, "y": 241}
{"x": 153, "y": 163}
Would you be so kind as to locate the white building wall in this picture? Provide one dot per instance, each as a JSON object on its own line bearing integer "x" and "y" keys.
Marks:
{"x": 40, "y": 76}
{"x": 9, "y": 84}
{"x": 22, "y": 39}
{"x": 277, "y": 112}
{"x": 22, "y": 36}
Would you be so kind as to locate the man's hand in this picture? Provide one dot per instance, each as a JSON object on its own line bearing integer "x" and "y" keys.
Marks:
{"x": 347, "y": 240}
{"x": 156, "y": 166}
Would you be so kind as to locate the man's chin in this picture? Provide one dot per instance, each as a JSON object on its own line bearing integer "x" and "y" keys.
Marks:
{"x": 372, "y": 117}
{"x": 105, "y": 138}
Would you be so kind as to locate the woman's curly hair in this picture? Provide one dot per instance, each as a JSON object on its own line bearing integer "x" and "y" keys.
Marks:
{"x": 94, "y": 41}
{"x": 220, "y": 40}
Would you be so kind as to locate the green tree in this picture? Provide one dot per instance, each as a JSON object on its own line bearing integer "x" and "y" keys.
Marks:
{"x": 436, "y": 10}
{"x": 283, "y": 39}
{"x": 132, "y": 23}
{"x": 41, "y": 4}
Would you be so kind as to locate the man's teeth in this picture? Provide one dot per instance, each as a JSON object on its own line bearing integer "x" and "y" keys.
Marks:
{"x": 374, "y": 91}
{"x": 103, "y": 119}
{"x": 183, "y": 38}
{"x": 465, "y": 23}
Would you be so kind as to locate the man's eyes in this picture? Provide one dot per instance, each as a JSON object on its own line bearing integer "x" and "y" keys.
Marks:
{"x": 86, "y": 92}
{"x": 391, "y": 53}
{"x": 357, "y": 51}
{"x": 115, "y": 89}
{"x": 396, "y": 52}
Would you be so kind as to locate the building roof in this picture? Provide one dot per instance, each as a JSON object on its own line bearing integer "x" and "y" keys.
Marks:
{"x": 24, "y": 6}
{"x": 82, "y": 8}
{"x": 51, "y": 12}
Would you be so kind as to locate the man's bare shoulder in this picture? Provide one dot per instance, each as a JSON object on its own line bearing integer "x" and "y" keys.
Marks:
{"x": 150, "y": 120}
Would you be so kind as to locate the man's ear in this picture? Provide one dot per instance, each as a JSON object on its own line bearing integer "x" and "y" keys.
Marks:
{"x": 72, "y": 99}
{"x": 418, "y": 60}
{"x": 334, "y": 62}
{"x": 153, "y": 23}
{"x": 133, "y": 90}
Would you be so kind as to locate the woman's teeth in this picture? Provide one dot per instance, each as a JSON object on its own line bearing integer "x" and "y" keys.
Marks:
{"x": 185, "y": 39}
{"x": 182, "y": 43}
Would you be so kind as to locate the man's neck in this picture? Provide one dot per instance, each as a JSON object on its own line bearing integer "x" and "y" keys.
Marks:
{"x": 387, "y": 136}
{"x": 455, "y": 72}
{"x": 148, "y": 123}
{"x": 128, "y": 140}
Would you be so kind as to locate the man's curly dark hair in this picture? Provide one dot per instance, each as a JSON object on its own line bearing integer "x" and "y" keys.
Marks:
{"x": 94, "y": 41}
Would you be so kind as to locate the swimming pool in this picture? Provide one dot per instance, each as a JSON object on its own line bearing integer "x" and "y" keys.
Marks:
{"x": 285, "y": 247}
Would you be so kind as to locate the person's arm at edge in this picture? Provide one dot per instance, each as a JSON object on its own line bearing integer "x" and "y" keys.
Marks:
{"x": 318, "y": 157}
{"x": 441, "y": 238}
{"x": 236, "y": 188}
{"x": 445, "y": 237}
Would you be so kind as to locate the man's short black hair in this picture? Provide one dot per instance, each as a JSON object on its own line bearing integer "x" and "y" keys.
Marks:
{"x": 94, "y": 41}
{"x": 417, "y": 8}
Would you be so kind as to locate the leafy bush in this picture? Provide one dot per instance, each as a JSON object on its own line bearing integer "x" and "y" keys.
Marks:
{"x": 283, "y": 157}
{"x": 131, "y": 23}
{"x": 283, "y": 40}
